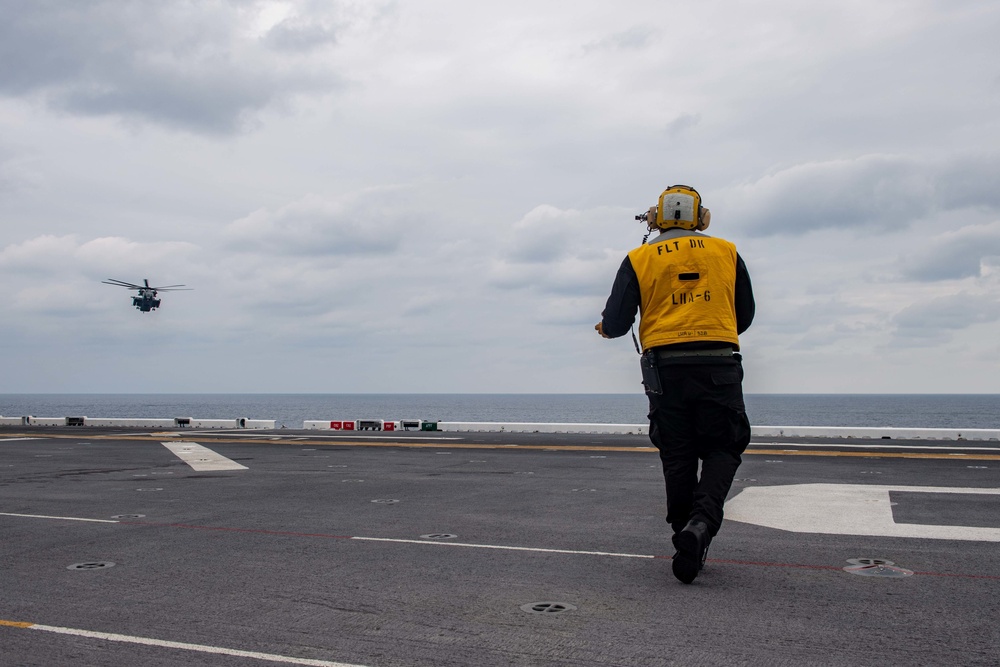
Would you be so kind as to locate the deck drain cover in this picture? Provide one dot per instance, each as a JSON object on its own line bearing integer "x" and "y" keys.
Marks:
{"x": 98, "y": 565}
{"x": 385, "y": 501}
{"x": 547, "y": 607}
{"x": 129, "y": 516}
{"x": 439, "y": 536}
{"x": 875, "y": 567}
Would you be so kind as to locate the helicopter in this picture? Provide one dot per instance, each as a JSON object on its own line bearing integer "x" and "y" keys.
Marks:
{"x": 146, "y": 300}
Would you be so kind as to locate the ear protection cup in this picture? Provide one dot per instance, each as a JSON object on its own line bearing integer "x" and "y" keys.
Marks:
{"x": 704, "y": 219}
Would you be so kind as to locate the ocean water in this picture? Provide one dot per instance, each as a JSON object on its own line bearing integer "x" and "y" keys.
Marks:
{"x": 290, "y": 410}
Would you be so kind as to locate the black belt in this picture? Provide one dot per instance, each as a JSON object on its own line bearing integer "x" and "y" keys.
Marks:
{"x": 662, "y": 353}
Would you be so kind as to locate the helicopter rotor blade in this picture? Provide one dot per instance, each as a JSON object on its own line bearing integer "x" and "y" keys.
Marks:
{"x": 120, "y": 283}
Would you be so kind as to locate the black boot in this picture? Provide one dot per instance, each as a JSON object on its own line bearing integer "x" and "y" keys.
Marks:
{"x": 692, "y": 549}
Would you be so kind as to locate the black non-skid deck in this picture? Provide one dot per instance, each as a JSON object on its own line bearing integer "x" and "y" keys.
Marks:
{"x": 486, "y": 549}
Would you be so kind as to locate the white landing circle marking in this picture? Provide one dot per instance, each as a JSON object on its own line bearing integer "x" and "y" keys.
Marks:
{"x": 201, "y": 459}
{"x": 846, "y": 509}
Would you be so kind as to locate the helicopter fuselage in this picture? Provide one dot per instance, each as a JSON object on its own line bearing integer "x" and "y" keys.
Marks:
{"x": 146, "y": 301}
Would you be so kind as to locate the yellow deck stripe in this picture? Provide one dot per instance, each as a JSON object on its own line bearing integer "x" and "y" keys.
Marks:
{"x": 578, "y": 448}
{"x": 15, "y": 624}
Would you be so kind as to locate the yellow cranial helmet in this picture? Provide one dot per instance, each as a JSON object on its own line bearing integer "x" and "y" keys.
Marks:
{"x": 680, "y": 206}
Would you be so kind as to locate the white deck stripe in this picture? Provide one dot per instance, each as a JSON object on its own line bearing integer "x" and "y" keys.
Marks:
{"x": 201, "y": 648}
{"x": 503, "y": 548}
{"x": 201, "y": 458}
{"x": 572, "y": 552}
{"x": 17, "y": 439}
{"x": 828, "y": 445}
{"x": 61, "y": 518}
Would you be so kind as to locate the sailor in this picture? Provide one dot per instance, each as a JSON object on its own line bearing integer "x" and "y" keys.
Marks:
{"x": 694, "y": 297}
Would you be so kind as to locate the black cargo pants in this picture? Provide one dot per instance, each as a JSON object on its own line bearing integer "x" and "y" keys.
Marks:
{"x": 699, "y": 416}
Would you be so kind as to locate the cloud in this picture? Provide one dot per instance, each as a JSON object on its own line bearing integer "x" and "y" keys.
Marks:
{"x": 314, "y": 226}
{"x": 934, "y": 321}
{"x": 878, "y": 191}
{"x": 300, "y": 35}
{"x": 52, "y": 283}
{"x": 16, "y": 175}
{"x": 60, "y": 275}
{"x": 872, "y": 190}
{"x": 970, "y": 181}
{"x": 962, "y": 253}
{"x": 559, "y": 251}
{"x": 682, "y": 124}
{"x": 40, "y": 253}
{"x": 636, "y": 37}
{"x": 203, "y": 67}
{"x": 449, "y": 187}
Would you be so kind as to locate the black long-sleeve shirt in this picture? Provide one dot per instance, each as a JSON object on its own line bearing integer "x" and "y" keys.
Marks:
{"x": 623, "y": 304}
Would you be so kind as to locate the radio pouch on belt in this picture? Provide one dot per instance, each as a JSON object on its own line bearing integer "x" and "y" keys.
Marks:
{"x": 650, "y": 373}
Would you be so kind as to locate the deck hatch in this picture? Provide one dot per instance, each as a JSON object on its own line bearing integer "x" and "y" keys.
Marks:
{"x": 547, "y": 607}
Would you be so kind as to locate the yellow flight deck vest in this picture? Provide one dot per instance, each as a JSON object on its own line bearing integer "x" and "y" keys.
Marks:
{"x": 687, "y": 285}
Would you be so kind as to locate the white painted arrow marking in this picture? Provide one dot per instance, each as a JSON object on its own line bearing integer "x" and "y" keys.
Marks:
{"x": 846, "y": 509}
{"x": 201, "y": 458}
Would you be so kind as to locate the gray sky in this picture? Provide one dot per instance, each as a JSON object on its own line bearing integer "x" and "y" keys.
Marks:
{"x": 434, "y": 196}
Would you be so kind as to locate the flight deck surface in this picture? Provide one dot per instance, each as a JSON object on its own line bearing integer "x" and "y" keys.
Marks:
{"x": 275, "y": 547}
